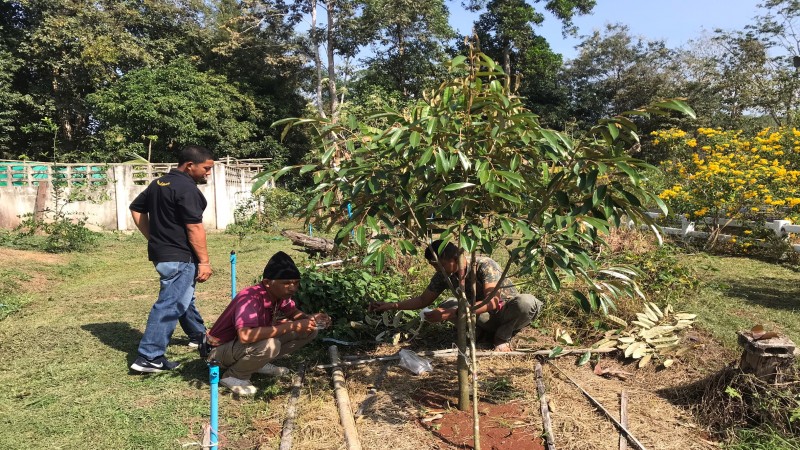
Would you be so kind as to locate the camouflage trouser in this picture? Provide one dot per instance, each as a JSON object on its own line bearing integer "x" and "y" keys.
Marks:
{"x": 515, "y": 314}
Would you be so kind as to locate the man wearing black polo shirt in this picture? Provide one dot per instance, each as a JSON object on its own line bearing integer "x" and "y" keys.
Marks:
{"x": 169, "y": 213}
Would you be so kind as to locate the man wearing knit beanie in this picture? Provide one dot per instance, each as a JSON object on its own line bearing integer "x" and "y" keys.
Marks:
{"x": 247, "y": 335}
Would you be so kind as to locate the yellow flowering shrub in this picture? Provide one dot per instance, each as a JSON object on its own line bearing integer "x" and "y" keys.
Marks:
{"x": 729, "y": 175}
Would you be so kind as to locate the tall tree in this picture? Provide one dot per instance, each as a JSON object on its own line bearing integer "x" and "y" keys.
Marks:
{"x": 408, "y": 39}
{"x": 254, "y": 45}
{"x": 72, "y": 47}
{"x": 506, "y": 31}
{"x": 615, "y": 71}
{"x": 178, "y": 104}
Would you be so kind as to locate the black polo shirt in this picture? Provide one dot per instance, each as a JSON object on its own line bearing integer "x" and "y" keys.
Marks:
{"x": 171, "y": 202}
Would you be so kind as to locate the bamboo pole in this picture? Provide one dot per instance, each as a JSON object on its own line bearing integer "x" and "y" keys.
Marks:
{"x": 546, "y": 424}
{"x": 291, "y": 409}
{"x": 476, "y": 428}
{"x": 343, "y": 401}
{"x": 623, "y": 418}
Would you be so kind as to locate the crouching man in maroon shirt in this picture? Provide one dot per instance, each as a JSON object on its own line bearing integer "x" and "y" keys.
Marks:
{"x": 247, "y": 336}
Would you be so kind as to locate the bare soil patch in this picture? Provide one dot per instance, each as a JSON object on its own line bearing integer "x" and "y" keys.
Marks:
{"x": 10, "y": 254}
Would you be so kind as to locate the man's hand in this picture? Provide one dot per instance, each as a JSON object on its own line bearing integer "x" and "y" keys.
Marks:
{"x": 323, "y": 320}
{"x": 203, "y": 272}
{"x": 304, "y": 325}
{"x": 440, "y": 315}
{"x": 383, "y": 306}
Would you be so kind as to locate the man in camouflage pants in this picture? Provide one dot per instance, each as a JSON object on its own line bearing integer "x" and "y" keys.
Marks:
{"x": 499, "y": 318}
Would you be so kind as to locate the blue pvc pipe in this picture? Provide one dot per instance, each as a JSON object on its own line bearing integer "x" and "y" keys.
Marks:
{"x": 213, "y": 375}
{"x": 233, "y": 274}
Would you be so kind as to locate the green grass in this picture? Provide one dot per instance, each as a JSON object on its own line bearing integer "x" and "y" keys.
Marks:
{"x": 75, "y": 321}
{"x": 65, "y": 381}
{"x": 738, "y": 293}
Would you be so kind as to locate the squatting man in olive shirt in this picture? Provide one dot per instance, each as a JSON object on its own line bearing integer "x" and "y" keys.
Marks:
{"x": 498, "y": 318}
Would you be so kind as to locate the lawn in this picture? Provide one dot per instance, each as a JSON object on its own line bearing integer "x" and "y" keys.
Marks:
{"x": 77, "y": 319}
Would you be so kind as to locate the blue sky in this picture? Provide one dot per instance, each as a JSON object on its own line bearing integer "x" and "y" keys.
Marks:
{"x": 676, "y": 21}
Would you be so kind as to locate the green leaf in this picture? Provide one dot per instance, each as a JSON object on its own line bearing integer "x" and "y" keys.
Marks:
{"x": 426, "y": 156}
{"x": 326, "y": 158}
{"x": 677, "y": 105}
{"x": 457, "y": 186}
{"x": 458, "y": 60}
{"x": 361, "y": 236}
{"x": 557, "y": 350}
{"x": 584, "y": 358}
{"x": 413, "y": 140}
{"x": 380, "y": 260}
{"x": 555, "y": 283}
{"x": 307, "y": 168}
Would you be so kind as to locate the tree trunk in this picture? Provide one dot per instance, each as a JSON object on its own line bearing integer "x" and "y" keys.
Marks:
{"x": 317, "y": 59}
{"x": 463, "y": 368}
{"x": 331, "y": 61}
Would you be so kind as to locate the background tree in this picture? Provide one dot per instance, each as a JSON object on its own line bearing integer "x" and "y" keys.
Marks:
{"x": 177, "y": 103}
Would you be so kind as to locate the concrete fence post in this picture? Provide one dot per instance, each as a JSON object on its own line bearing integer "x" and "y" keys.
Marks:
{"x": 121, "y": 195}
{"x": 223, "y": 210}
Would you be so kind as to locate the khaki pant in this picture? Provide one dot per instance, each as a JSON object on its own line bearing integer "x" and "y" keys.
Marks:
{"x": 242, "y": 360}
{"x": 516, "y": 314}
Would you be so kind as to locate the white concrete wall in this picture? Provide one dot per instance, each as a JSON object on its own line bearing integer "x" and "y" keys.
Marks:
{"x": 109, "y": 210}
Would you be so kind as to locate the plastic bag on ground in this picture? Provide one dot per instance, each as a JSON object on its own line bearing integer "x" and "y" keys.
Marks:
{"x": 414, "y": 363}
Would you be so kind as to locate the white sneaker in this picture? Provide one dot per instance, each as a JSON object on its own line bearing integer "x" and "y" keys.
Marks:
{"x": 273, "y": 370}
{"x": 237, "y": 386}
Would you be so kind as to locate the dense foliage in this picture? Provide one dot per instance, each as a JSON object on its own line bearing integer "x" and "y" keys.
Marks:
{"x": 146, "y": 77}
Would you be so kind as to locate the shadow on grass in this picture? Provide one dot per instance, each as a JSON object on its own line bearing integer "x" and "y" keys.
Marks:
{"x": 117, "y": 335}
{"x": 774, "y": 293}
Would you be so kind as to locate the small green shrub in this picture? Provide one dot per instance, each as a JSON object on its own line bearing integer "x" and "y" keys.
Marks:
{"x": 345, "y": 293}
{"x": 59, "y": 236}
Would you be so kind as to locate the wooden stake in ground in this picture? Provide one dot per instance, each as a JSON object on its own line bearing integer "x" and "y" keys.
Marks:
{"x": 291, "y": 409}
{"x": 623, "y": 419}
{"x": 343, "y": 401}
{"x": 548, "y": 429}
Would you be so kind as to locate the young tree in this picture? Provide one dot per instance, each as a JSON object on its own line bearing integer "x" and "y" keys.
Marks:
{"x": 471, "y": 164}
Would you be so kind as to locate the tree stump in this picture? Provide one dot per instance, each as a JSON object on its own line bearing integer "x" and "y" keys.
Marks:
{"x": 768, "y": 359}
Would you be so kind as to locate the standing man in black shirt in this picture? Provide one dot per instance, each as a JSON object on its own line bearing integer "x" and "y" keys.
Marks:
{"x": 169, "y": 213}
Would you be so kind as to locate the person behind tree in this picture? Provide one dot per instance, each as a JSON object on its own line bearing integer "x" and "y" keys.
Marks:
{"x": 249, "y": 334}
{"x": 499, "y": 318}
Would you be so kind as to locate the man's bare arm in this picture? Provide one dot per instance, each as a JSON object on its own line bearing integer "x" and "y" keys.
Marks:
{"x": 197, "y": 240}
{"x": 142, "y": 221}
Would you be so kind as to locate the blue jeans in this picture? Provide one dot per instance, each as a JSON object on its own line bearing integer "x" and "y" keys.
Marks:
{"x": 175, "y": 304}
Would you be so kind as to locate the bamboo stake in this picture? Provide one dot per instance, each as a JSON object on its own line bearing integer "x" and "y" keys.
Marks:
{"x": 619, "y": 426}
{"x": 343, "y": 401}
{"x": 291, "y": 409}
{"x": 476, "y": 428}
{"x": 546, "y": 424}
{"x": 623, "y": 418}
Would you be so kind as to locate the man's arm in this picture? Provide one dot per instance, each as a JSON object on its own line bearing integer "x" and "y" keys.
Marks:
{"x": 487, "y": 304}
{"x": 142, "y": 221}
{"x": 250, "y": 335}
{"x": 197, "y": 240}
{"x": 491, "y": 304}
